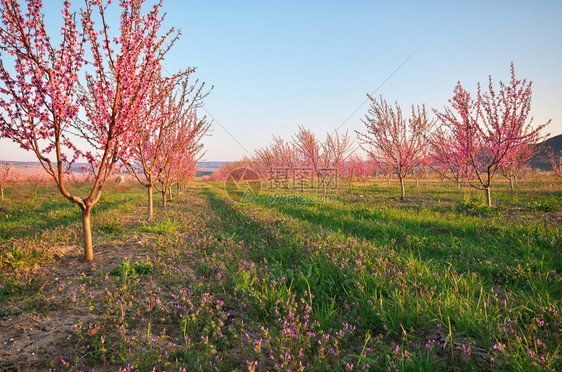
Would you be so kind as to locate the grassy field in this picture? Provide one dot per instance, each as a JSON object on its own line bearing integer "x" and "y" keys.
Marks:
{"x": 290, "y": 281}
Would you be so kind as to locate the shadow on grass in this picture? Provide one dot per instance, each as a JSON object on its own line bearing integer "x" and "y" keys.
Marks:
{"x": 263, "y": 239}
{"x": 295, "y": 270}
{"x": 494, "y": 252}
{"x": 25, "y": 214}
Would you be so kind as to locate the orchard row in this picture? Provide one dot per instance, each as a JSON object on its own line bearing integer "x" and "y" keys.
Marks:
{"x": 98, "y": 97}
{"x": 475, "y": 138}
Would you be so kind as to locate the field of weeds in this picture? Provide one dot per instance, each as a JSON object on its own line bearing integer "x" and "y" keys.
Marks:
{"x": 289, "y": 281}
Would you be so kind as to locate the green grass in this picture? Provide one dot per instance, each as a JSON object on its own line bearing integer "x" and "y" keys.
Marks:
{"x": 362, "y": 281}
{"x": 126, "y": 270}
{"x": 160, "y": 227}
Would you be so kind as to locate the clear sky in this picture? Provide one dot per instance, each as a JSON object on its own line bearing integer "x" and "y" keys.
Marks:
{"x": 278, "y": 65}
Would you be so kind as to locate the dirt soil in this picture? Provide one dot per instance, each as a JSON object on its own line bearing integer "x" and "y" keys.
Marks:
{"x": 33, "y": 334}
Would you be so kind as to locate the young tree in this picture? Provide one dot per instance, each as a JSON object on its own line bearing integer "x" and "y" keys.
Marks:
{"x": 172, "y": 101}
{"x": 286, "y": 154}
{"x": 336, "y": 149}
{"x": 514, "y": 166}
{"x": 36, "y": 176}
{"x": 185, "y": 176}
{"x": 448, "y": 161}
{"x": 381, "y": 168}
{"x": 182, "y": 148}
{"x": 421, "y": 166}
{"x": 263, "y": 161}
{"x": 308, "y": 149}
{"x": 6, "y": 176}
{"x": 351, "y": 169}
{"x": 80, "y": 178}
{"x": 366, "y": 170}
{"x": 394, "y": 140}
{"x": 556, "y": 162}
{"x": 41, "y": 99}
{"x": 488, "y": 131}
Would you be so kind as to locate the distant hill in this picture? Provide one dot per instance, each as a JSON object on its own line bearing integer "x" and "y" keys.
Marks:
{"x": 211, "y": 165}
{"x": 206, "y": 168}
{"x": 554, "y": 142}
{"x": 203, "y": 166}
{"x": 540, "y": 160}
{"x": 34, "y": 164}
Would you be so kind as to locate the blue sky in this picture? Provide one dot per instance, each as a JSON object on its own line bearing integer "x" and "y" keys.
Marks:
{"x": 278, "y": 65}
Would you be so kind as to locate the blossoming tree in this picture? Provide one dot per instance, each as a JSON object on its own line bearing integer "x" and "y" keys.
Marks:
{"x": 556, "y": 162}
{"x": 309, "y": 150}
{"x": 6, "y": 176}
{"x": 335, "y": 150}
{"x": 41, "y": 97}
{"x": 395, "y": 141}
{"x": 173, "y": 102}
{"x": 286, "y": 153}
{"x": 488, "y": 132}
{"x": 351, "y": 169}
{"x": 182, "y": 148}
{"x": 513, "y": 168}
{"x": 366, "y": 169}
{"x": 447, "y": 160}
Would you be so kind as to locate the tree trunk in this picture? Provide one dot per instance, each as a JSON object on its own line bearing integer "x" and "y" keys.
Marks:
{"x": 403, "y": 196}
{"x": 150, "y": 204}
{"x": 171, "y": 193}
{"x": 511, "y": 184}
{"x": 87, "y": 235}
{"x": 164, "y": 196}
{"x": 417, "y": 182}
{"x": 388, "y": 181}
{"x": 458, "y": 184}
{"x": 488, "y": 196}
{"x": 2, "y": 190}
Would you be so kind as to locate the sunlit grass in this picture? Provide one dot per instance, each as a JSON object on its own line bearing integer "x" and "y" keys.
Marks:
{"x": 351, "y": 282}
